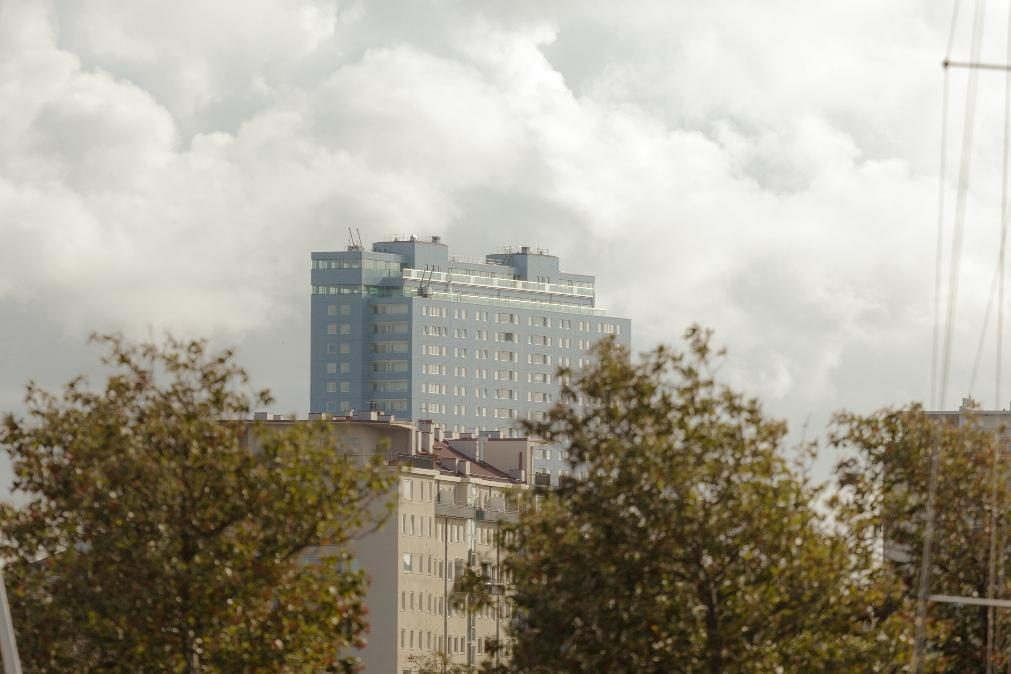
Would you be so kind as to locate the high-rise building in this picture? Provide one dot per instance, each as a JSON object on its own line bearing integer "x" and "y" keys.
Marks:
{"x": 474, "y": 345}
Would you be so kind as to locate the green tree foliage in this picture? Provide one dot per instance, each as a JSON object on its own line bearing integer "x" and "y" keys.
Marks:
{"x": 439, "y": 663}
{"x": 884, "y": 475}
{"x": 157, "y": 536}
{"x": 693, "y": 545}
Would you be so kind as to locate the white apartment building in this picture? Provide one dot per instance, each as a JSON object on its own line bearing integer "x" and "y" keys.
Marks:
{"x": 454, "y": 493}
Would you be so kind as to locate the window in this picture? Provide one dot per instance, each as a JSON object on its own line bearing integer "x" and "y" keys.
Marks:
{"x": 345, "y": 406}
{"x": 407, "y": 491}
{"x": 540, "y": 321}
{"x": 345, "y": 289}
{"x": 540, "y": 340}
{"x": 345, "y": 310}
{"x": 539, "y": 359}
{"x": 331, "y": 368}
{"x": 505, "y": 317}
{"x": 331, "y": 310}
{"x": 331, "y": 328}
{"x": 538, "y": 378}
{"x": 388, "y": 386}
{"x": 389, "y": 347}
{"x": 340, "y": 263}
{"x": 393, "y": 405}
{"x": 345, "y": 368}
{"x": 389, "y": 366}
{"x": 397, "y": 308}
{"x": 390, "y": 328}
{"x": 345, "y": 387}
{"x": 407, "y": 562}
{"x": 345, "y": 328}
{"x": 331, "y": 348}
{"x": 345, "y": 348}
{"x": 505, "y": 336}
{"x": 508, "y": 356}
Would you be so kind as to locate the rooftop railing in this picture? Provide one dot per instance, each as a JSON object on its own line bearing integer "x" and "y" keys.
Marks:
{"x": 488, "y": 282}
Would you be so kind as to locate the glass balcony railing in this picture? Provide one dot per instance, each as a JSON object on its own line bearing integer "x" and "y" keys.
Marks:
{"x": 489, "y": 282}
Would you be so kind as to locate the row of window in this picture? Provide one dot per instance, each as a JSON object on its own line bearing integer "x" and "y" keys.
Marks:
{"x": 357, "y": 289}
{"x": 513, "y": 319}
{"x": 480, "y": 411}
{"x": 419, "y": 525}
{"x": 457, "y": 645}
{"x": 358, "y": 263}
{"x": 479, "y": 392}
{"x": 507, "y": 337}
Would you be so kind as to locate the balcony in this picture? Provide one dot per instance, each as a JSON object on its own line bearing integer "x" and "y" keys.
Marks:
{"x": 490, "y": 512}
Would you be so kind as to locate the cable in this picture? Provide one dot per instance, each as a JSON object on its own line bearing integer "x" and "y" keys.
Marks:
{"x": 942, "y": 170}
{"x": 998, "y": 367}
{"x": 983, "y": 330}
{"x": 962, "y": 198}
{"x": 923, "y": 589}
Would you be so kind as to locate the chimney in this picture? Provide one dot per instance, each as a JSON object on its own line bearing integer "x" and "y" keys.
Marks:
{"x": 463, "y": 467}
{"x": 481, "y": 450}
{"x": 426, "y": 441}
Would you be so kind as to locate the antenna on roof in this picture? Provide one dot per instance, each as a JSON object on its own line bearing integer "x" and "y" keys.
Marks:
{"x": 354, "y": 245}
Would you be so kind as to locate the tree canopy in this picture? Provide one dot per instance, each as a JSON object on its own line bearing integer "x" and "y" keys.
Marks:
{"x": 157, "y": 535}
{"x": 693, "y": 544}
{"x": 884, "y": 480}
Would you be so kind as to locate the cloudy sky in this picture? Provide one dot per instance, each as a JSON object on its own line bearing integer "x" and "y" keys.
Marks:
{"x": 768, "y": 169}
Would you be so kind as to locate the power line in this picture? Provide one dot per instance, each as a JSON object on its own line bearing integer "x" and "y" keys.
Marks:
{"x": 923, "y": 589}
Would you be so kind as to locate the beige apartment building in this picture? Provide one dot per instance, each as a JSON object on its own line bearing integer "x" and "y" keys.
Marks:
{"x": 454, "y": 493}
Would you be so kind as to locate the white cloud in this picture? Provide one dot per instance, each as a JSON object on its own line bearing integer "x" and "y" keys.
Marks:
{"x": 765, "y": 168}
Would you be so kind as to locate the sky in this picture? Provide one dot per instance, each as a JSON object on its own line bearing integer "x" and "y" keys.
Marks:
{"x": 767, "y": 169}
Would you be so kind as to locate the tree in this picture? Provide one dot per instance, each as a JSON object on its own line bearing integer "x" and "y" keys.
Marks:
{"x": 692, "y": 544}
{"x": 158, "y": 536}
{"x": 884, "y": 475}
{"x": 439, "y": 662}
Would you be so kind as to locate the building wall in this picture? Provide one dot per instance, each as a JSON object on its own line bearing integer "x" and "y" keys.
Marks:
{"x": 413, "y": 561}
